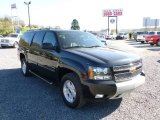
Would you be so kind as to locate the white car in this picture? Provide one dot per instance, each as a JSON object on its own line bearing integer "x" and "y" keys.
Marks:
{"x": 141, "y": 37}
{"x": 10, "y": 41}
{"x": 1, "y": 36}
{"x": 124, "y": 35}
{"x": 113, "y": 36}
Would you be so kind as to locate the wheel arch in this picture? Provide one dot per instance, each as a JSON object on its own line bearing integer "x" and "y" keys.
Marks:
{"x": 65, "y": 70}
{"x": 22, "y": 56}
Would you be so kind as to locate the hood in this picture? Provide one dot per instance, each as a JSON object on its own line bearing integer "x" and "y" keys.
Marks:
{"x": 105, "y": 55}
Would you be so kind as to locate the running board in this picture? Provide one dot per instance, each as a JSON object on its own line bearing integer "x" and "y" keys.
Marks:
{"x": 41, "y": 77}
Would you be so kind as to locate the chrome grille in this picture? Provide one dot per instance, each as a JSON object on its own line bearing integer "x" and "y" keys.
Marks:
{"x": 127, "y": 75}
{"x": 4, "y": 40}
{"x": 128, "y": 71}
{"x": 127, "y": 66}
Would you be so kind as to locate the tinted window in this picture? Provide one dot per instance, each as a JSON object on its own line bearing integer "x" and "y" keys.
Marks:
{"x": 50, "y": 38}
{"x": 158, "y": 33}
{"x": 151, "y": 33}
{"x": 13, "y": 35}
{"x": 37, "y": 40}
{"x": 27, "y": 37}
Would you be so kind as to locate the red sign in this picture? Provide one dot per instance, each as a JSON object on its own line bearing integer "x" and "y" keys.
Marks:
{"x": 112, "y": 12}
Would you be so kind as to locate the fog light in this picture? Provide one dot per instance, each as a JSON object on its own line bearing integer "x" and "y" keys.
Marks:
{"x": 99, "y": 96}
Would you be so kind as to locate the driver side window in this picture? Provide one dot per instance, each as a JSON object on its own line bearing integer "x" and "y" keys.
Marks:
{"x": 50, "y": 38}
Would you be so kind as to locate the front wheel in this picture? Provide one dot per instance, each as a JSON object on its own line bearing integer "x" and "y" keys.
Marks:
{"x": 72, "y": 91}
{"x": 142, "y": 41}
{"x": 158, "y": 43}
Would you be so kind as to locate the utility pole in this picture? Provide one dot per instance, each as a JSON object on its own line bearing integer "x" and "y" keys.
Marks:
{"x": 28, "y": 3}
{"x": 156, "y": 21}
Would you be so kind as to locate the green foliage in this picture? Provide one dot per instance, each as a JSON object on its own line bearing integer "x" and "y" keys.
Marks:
{"x": 75, "y": 25}
{"x": 5, "y": 26}
{"x": 24, "y": 29}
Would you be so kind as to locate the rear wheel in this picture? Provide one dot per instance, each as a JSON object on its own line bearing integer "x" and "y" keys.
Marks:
{"x": 142, "y": 41}
{"x": 24, "y": 67}
{"x": 151, "y": 44}
{"x": 72, "y": 91}
{"x": 158, "y": 43}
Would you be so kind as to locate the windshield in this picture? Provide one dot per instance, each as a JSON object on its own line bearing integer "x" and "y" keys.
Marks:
{"x": 120, "y": 33}
{"x": 75, "y": 39}
{"x": 151, "y": 33}
{"x": 13, "y": 35}
{"x": 140, "y": 33}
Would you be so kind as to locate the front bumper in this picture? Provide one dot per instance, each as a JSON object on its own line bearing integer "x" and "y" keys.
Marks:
{"x": 6, "y": 44}
{"x": 151, "y": 41}
{"x": 111, "y": 89}
{"x": 128, "y": 86}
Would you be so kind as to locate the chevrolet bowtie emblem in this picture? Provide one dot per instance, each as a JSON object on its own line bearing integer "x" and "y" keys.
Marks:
{"x": 133, "y": 69}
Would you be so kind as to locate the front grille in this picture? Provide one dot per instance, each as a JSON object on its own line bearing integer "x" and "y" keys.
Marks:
{"x": 4, "y": 40}
{"x": 127, "y": 71}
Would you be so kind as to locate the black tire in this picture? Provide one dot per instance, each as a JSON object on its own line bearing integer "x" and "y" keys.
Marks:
{"x": 158, "y": 43}
{"x": 151, "y": 44}
{"x": 26, "y": 70}
{"x": 142, "y": 42}
{"x": 3, "y": 46}
{"x": 14, "y": 45}
{"x": 79, "y": 100}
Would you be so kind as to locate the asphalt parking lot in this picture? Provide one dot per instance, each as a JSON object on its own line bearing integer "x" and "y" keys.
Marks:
{"x": 30, "y": 98}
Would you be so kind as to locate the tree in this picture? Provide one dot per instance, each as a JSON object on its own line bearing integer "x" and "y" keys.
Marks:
{"x": 75, "y": 25}
{"x": 6, "y": 26}
{"x": 57, "y": 27}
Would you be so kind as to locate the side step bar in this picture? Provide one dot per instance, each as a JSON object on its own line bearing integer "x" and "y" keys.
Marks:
{"x": 41, "y": 77}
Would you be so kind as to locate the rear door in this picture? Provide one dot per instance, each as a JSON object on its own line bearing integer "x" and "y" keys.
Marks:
{"x": 35, "y": 50}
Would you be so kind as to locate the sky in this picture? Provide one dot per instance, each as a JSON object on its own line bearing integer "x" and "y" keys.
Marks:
{"x": 87, "y": 12}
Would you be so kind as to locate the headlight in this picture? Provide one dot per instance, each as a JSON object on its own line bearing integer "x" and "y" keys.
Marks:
{"x": 99, "y": 73}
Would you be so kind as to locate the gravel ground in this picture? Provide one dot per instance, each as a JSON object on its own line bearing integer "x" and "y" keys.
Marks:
{"x": 30, "y": 98}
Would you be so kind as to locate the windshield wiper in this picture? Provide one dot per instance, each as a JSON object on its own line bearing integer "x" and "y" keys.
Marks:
{"x": 75, "y": 47}
{"x": 94, "y": 46}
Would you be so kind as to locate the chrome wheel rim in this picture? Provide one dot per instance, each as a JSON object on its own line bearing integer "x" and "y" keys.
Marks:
{"x": 24, "y": 67}
{"x": 69, "y": 91}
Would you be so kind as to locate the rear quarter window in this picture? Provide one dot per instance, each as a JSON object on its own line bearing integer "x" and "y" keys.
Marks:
{"x": 27, "y": 37}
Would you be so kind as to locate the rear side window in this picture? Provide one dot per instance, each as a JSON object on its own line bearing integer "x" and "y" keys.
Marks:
{"x": 37, "y": 40}
{"x": 27, "y": 37}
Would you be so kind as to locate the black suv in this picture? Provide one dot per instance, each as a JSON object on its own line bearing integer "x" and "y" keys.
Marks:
{"x": 80, "y": 63}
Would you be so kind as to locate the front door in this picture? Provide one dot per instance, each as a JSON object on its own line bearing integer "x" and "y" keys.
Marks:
{"x": 48, "y": 59}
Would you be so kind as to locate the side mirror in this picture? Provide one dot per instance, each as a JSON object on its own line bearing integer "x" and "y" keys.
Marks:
{"x": 48, "y": 46}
